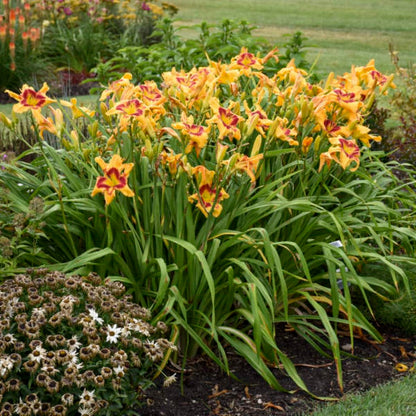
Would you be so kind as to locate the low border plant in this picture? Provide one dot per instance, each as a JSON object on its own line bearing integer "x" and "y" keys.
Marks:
{"x": 73, "y": 345}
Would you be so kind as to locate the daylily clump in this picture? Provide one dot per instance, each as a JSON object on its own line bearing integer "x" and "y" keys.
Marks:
{"x": 216, "y": 195}
{"x": 221, "y": 109}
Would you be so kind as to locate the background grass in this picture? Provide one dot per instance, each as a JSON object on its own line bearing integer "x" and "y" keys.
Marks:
{"x": 393, "y": 399}
{"x": 342, "y": 32}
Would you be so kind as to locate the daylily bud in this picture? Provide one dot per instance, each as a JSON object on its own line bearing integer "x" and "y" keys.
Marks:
{"x": 252, "y": 125}
{"x": 148, "y": 150}
{"x": 93, "y": 128}
{"x": 66, "y": 144}
{"x": 329, "y": 80}
{"x": 75, "y": 138}
{"x": 104, "y": 109}
{"x": 256, "y": 146}
{"x": 6, "y": 121}
{"x": 220, "y": 152}
{"x": 317, "y": 143}
{"x": 232, "y": 160}
{"x": 305, "y": 109}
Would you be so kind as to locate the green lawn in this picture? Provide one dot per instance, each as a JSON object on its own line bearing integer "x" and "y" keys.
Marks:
{"x": 342, "y": 32}
{"x": 393, "y": 399}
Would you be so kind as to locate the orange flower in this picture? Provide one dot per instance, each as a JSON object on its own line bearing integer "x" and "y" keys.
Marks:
{"x": 196, "y": 135}
{"x": 285, "y": 133}
{"x": 343, "y": 151}
{"x": 306, "y": 144}
{"x": 56, "y": 126}
{"x": 226, "y": 121}
{"x": 29, "y": 99}
{"x": 78, "y": 111}
{"x": 116, "y": 88}
{"x": 208, "y": 197}
{"x": 246, "y": 164}
{"x": 150, "y": 94}
{"x": 360, "y": 132}
{"x": 172, "y": 161}
{"x": 257, "y": 119}
{"x": 115, "y": 178}
{"x": 245, "y": 62}
{"x": 131, "y": 108}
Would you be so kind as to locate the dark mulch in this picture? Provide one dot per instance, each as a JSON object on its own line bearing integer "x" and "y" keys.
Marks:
{"x": 207, "y": 391}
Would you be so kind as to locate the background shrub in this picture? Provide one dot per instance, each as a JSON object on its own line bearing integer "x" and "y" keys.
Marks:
{"x": 210, "y": 42}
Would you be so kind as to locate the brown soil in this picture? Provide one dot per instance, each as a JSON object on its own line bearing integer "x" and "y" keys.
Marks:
{"x": 207, "y": 391}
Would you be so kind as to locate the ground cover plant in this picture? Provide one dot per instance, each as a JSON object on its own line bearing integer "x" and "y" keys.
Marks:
{"x": 73, "y": 345}
{"x": 227, "y": 201}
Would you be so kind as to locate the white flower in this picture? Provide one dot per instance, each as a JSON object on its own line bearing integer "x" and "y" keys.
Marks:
{"x": 125, "y": 332}
{"x": 169, "y": 380}
{"x": 138, "y": 325}
{"x": 73, "y": 343}
{"x": 85, "y": 411}
{"x": 38, "y": 354}
{"x": 95, "y": 317}
{"x": 73, "y": 357}
{"x": 10, "y": 339}
{"x": 10, "y": 308}
{"x": 87, "y": 398}
{"x": 6, "y": 364}
{"x": 39, "y": 312}
{"x": 113, "y": 333}
{"x": 119, "y": 371}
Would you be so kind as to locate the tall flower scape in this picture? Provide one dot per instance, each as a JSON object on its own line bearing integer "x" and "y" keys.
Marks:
{"x": 217, "y": 196}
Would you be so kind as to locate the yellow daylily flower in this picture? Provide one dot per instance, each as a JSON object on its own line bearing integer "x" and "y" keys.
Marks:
{"x": 208, "y": 198}
{"x": 195, "y": 135}
{"x": 243, "y": 163}
{"x": 226, "y": 121}
{"x": 30, "y": 99}
{"x": 115, "y": 178}
{"x": 77, "y": 111}
{"x": 245, "y": 62}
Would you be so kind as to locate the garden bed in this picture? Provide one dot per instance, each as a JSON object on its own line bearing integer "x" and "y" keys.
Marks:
{"x": 208, "y": 391}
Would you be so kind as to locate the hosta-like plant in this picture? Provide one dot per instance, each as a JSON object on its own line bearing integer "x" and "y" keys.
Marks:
{"x": 228, "y": 202}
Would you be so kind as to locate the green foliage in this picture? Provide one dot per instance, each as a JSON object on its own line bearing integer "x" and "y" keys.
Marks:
{"x": 210, "y": 42}
{"x": 75, "y": 345}
{"x": 76, "y": 48}
{"x": 396, "y": 310}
